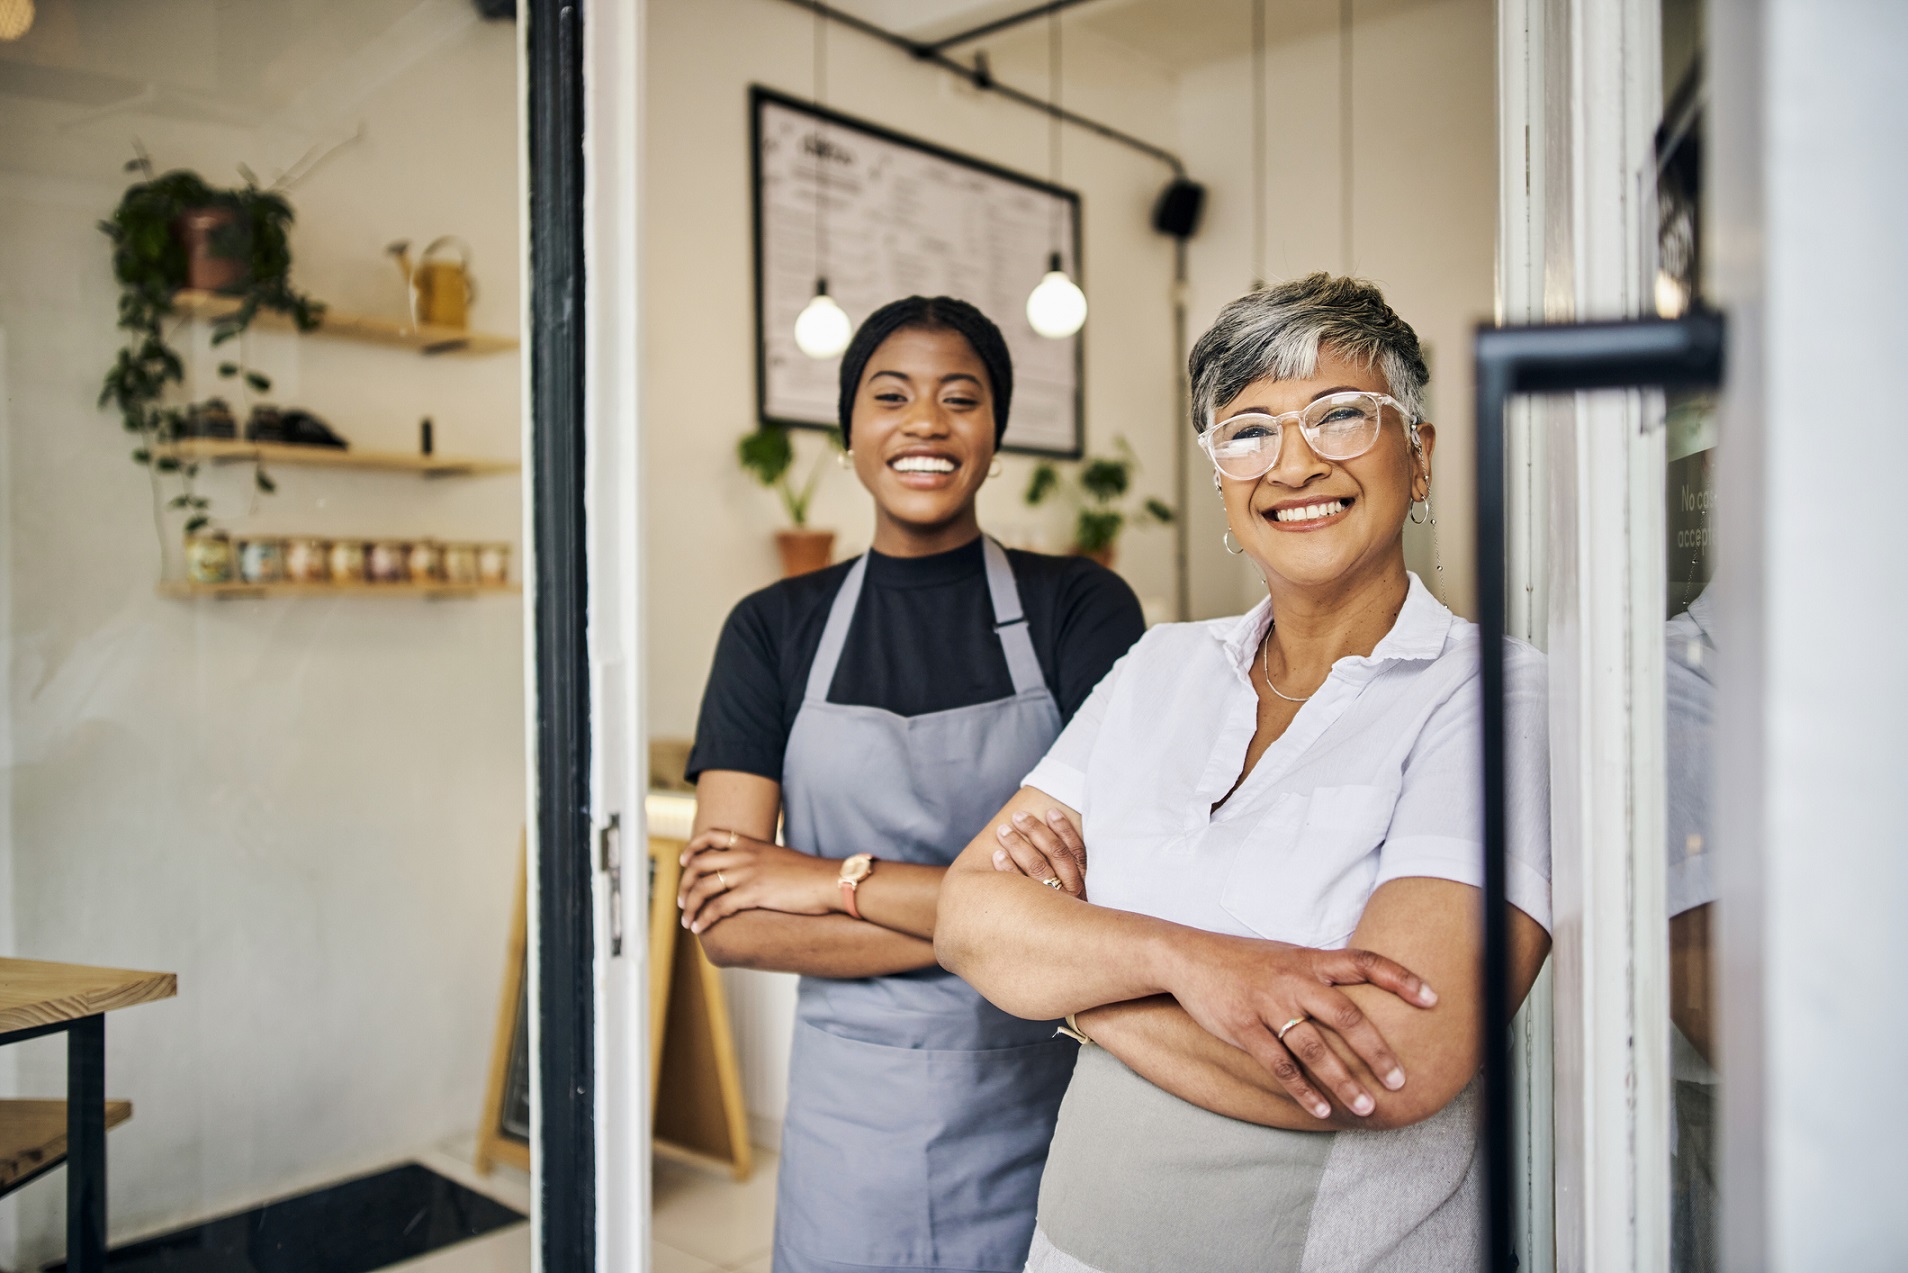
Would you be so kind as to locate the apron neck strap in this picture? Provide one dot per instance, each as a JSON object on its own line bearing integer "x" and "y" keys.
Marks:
{"x": 821, "y": 673}
{"x": 1010, "y": 626}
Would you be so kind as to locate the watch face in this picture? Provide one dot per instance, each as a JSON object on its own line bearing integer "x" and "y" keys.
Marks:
{"x": 856, "y": 869}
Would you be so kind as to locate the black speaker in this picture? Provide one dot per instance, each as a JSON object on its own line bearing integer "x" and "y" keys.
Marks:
{"x": 1177, "y": 210}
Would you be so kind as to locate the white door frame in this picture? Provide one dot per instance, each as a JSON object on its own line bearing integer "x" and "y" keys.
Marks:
{"x": 1579, "y": 98}
{"x": 613, "y": 121}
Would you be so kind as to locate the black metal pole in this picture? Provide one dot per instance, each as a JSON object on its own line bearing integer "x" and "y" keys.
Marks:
{"x": 1561, "y": 358}
{"x": 86, "y": 1145}
{"x": 987, "y": 83}
{"x": 566, "y": 1086}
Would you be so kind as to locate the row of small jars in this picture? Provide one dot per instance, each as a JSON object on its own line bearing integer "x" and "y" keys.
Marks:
{"x": 217, "y": 558}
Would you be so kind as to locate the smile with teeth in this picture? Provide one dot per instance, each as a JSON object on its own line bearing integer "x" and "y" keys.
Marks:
{"x": 1310, "y": 512}
{"x": 921, "y": 464}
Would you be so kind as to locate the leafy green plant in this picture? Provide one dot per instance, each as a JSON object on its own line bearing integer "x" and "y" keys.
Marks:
{"x": 150, "y": 265}
{"x": 768, "y": 455}
{"x": 1100, "y": 487}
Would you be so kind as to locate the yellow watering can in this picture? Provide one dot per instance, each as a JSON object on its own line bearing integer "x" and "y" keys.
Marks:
{"x": 440, "y": 286}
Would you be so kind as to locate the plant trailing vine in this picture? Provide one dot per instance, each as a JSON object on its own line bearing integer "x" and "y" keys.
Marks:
{"x": 150, "y": 263}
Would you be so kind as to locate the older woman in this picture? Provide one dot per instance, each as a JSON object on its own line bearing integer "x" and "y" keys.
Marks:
{"x": 1252, "y": 794}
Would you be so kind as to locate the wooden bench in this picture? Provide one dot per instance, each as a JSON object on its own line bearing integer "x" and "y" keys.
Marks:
{"x": 33, "y": 1138}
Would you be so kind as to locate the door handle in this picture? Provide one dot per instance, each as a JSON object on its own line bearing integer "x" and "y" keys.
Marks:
{"x": 1650, "y": 353}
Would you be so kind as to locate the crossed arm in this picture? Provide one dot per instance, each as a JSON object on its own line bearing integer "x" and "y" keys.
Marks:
{"x": 759, "y": 905}
{"x": 1197, "y": 1013}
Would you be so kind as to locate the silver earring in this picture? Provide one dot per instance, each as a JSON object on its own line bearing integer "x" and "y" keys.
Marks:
{"x": 996, "y": 468}
{"x": 1215, "y": 483}
{"x": 1426, "y": 501}
{"x": 847, "y": 458}
{"x": 1232, "y": 543}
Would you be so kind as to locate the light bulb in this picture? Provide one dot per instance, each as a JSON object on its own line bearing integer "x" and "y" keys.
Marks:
{"x": 822, "y": 328}
{"x": 16, "y": 18}
{"x": 1056, "y": 307}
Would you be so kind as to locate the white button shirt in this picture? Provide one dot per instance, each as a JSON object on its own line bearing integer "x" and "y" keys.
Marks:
{"x": 1377, "y": 778}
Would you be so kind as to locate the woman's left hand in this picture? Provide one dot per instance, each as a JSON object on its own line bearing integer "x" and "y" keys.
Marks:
{"x": 724, "y": 872}
{"x": 1049, "y": 851}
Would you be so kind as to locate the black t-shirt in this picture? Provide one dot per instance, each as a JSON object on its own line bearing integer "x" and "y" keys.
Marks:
{"x": 922, "y": 641}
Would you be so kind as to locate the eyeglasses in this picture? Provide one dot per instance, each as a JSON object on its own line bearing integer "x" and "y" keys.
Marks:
{"x": 1339, "y": 426}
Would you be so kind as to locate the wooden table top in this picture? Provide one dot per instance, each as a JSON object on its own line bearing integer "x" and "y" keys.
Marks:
{"x": 34, "y": 992}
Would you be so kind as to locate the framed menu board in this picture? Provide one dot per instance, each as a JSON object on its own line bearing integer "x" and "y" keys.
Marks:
{"x": 900, "y": 217}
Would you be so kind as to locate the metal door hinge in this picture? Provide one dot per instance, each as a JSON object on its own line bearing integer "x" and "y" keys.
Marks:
{"x": 610, "y": 856}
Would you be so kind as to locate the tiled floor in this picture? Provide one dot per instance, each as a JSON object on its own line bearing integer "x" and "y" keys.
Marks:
{"x": 703, "y": 1223}
{"x": 706, "y": 1223}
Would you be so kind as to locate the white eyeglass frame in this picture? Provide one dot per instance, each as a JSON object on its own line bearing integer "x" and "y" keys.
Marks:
{"x": 1310, "y": 432}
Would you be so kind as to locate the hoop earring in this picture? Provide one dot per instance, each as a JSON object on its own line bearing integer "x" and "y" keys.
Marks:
{"x": 1232, "y": 543}
{"x": 996, "y": 468}
{"x": 846, "y": 459}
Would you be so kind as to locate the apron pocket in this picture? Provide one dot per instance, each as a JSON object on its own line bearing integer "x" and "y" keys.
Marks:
{"x": 915, "y": 1158}
{"x": 1307, "y": 877}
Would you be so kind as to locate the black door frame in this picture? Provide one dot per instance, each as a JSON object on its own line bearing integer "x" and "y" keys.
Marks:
{"x": 565, "y": 1132}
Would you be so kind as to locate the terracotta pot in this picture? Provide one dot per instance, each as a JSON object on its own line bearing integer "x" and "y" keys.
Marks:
{"x": 804, "y": 550}
{"x": 1102, "y": 555}
{"x": 210, "y": 266}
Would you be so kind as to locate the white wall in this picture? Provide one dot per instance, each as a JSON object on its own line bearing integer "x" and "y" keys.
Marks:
{"x": 1423, "y": 223}
{"x": 710, "y": 526}
{"x": 309, "y": 809}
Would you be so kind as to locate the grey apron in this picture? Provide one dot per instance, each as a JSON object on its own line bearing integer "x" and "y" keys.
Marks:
{"x": 918, "y": 1113}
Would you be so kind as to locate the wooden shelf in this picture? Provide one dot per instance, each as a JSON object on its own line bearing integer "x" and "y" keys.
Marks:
{"x": 33, "y": 1137}
{"x": 228, "y": 451}
{"x": 257, "y": 591}
{"x": 424, "y": 338}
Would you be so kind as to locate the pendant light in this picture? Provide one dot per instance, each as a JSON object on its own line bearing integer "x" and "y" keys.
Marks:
{"x": 16, "y": 18}
{"x": 1056, "y": 308}
{"x": 822, "y": 329}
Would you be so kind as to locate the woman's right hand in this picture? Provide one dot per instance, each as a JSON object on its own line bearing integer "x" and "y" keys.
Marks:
{"x": 1245, "y": 990}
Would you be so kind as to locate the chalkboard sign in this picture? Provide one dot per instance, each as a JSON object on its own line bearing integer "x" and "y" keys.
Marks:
{"x": 903, "y": 217}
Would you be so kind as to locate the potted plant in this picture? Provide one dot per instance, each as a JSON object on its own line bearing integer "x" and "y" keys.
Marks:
{"x": 1099, "y": 492}
{"x": 176, "y": 231}
{"x": 768, "y": 455}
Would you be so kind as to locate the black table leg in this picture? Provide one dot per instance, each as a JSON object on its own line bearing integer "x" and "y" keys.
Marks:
{"x": 86, "y": 1145}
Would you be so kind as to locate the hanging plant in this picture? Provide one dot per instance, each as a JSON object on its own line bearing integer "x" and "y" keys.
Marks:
{"x": 171, "y": 232}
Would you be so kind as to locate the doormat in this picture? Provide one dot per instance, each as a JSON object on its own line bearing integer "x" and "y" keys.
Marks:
{"x": 352, "y": 1227}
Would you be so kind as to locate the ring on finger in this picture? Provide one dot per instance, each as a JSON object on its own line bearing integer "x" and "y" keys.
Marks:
{"x": 1053, "y": 882}
{"x": 1279, "y": 1033}
{"x": 732, "y": 839}
{"x": 721, "y": 881}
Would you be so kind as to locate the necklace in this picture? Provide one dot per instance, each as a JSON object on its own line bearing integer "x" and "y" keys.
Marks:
{"x": 1265, "y": 668}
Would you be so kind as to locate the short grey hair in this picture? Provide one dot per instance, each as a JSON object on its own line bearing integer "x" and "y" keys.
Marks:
{"x": 1278, "y": 331}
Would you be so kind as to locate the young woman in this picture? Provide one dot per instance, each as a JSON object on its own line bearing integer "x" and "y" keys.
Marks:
{"x": 885, "y": 708}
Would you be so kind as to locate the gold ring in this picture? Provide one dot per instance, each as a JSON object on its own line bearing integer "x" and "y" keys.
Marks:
{"x": 1054, "y": 884}
{"x": 1279, "y": 1033}
{"x": 732, "y": 839}
{"x": 721, "y": 881}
